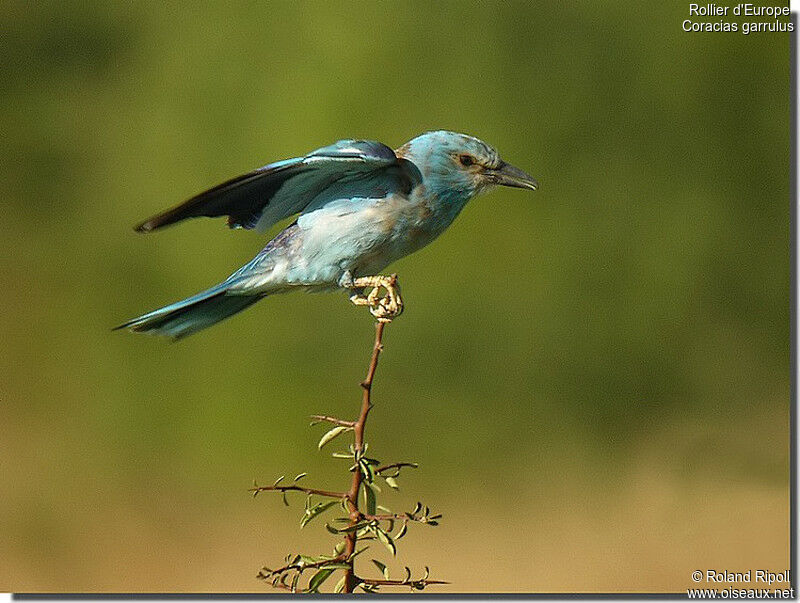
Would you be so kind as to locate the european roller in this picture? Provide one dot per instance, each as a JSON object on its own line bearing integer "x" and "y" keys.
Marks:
{"x": 360, "y": 206}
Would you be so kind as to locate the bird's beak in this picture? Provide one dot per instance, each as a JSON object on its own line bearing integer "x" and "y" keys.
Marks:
{"x": 508, "y": 175}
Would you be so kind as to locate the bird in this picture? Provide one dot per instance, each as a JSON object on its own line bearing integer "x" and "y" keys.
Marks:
{"x": 360, "y": 206}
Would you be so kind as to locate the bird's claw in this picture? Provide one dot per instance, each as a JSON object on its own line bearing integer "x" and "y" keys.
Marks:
{"x": 383, "y": 308}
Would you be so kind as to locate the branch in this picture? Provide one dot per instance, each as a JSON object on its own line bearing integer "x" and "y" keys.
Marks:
{"x": 380, "y": 470}
{"x": 387, "y": 517}
{"x": 278, "y": 576}
{"x": 299, "y": 566}
{"x": 418, "y": 584}
{"x": 350, "y": 579}
{"x": 256, "y": 489}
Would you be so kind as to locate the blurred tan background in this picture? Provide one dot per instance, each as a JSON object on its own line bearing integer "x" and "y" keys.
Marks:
{"x": 594, "y": 377}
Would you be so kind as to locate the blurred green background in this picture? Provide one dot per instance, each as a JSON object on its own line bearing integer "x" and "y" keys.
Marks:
{"x": 594, "y": 377}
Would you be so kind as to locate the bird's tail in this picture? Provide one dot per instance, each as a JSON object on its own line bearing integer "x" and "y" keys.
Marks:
{"x": 191, "y": 314}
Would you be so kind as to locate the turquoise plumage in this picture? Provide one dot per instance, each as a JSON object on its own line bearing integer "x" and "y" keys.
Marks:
{"x": 360, "y": 205}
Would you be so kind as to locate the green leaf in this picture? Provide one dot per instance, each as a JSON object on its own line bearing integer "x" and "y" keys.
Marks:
{"x": 278, "y": 481}
{"x": 366, "y": 470}
{"x": 339, "y": 585}
{"x": 336, "y": 431}
{"x": 348, "y": 529}
{"x": 315, "y": 511}
{"x": 391, "y": 482}
{"x": 358, "y": 552}
{"x": 336, "y": 565}
{"x": 301, "y": 476}
{"x": 382, "y": 568}
{"x": 317, "y": 580}
{"x": 401, "y": 532}
{"x": 341, "y": 455}
{"x": 386, "y": 540}
{"x": 369, "y": 499}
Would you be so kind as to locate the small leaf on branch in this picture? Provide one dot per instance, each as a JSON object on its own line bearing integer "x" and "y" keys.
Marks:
{"x": 339, "y": 585}
{"x": 369, "y": 499}
{"x": 401, "y": 532}
{"x": 300, "y": 476}
{"x": 341, "y": 455}
{"x": 366, "y": 470}
{"x": 386, "y": 540}
{"x": 277, "y": 481}
{"x": 317, "y": 580}
{"x": 333, "y": 530}
{"x": 358, "y": 552}
{"x": 382, "y": 568}
{"x": 335, "y": 565}
{"x": 347, "y": 529}
{"x": 391, "y": 482}
{"x": 336, "y": 431}
{"x": 315, "y": 511}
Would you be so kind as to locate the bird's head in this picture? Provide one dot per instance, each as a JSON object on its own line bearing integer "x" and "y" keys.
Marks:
{"x": 449, "y": 161}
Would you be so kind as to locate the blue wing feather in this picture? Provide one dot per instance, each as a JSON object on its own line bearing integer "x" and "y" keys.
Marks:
{"x": 276, "y": 191}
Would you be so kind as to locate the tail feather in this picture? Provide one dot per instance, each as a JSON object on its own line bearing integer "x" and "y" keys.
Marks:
{"x": 192, "y": 314}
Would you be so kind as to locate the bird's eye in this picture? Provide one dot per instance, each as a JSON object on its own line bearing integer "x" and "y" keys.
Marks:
{"x": 466, "y": 160}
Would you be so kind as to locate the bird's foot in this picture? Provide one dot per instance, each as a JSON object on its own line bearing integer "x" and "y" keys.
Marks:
{"x": 383, "y": 308}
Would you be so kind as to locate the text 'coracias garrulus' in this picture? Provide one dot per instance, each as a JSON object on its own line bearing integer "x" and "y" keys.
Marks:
{"x": 361, "y": 206}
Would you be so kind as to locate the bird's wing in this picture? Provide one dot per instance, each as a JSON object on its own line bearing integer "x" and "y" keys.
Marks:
{"x": 278, "y": 190}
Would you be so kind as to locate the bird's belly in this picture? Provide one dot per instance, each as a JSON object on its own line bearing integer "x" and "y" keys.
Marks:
{"x": 364, "y": 240}
{"x": 351, "y": 242}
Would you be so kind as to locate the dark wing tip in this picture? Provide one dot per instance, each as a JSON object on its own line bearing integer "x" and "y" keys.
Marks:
{"x": 145, "y": 227}
{"x": 170, "y": 216}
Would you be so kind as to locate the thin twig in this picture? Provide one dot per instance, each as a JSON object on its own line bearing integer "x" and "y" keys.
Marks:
{"x": 338, "y": 495}
{"x": 350, "y": 580}
{"x": 374, "y": 582}
{"x": 388, "y": 517}
{"x": 296, "y": 565}
{"x": 380, "y": 470}
{"x": 276, "y": 575}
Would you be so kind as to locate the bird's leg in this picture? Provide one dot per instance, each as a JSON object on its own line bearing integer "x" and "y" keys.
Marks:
{"x": 383, "y": 308}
